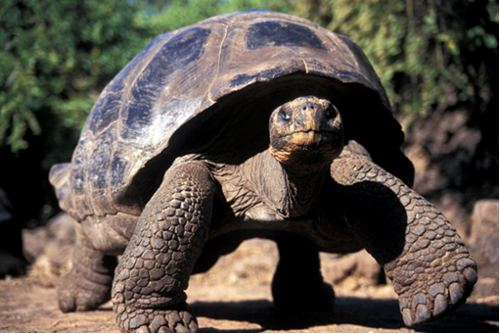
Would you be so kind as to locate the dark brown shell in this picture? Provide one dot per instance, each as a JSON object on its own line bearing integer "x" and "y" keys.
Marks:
{"x": 209, "y": 74}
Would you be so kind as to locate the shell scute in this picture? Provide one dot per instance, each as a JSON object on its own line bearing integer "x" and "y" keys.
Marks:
{"x": 265, "y": 75}
{"x": 181, "y": 50}
{"x": 78, "y": 181}
{"x": 118, "y": 167}
{"x": 106, "y": 110}
{"x": 99, "y": 175}
{"x": 279, "y": 34}
{"x": 108, "y": 106}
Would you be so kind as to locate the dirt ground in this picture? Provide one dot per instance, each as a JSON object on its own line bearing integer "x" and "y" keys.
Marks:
{"x": 235, "y": 296}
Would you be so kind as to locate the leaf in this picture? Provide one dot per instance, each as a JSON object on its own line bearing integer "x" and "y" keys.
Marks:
{"x": 490, "y": 41}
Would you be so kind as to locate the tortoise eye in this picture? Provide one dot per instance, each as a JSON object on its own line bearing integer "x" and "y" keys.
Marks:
{"x": 285, "y": 115}
{"x": 330, "y": 111}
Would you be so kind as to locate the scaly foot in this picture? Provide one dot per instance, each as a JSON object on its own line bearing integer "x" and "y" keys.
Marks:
{"x": 436, "y": 273}
{"x": 76, "y": 292}
{"x": 176, "y": 319}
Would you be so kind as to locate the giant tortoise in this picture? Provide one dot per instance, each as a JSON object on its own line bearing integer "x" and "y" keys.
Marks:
{"x": 250, "y": 124}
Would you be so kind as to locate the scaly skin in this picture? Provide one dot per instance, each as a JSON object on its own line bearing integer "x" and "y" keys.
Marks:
{"x": 148, "y": 290}
{"x": 431, "y": 270}
{"x": 88, "y": 284}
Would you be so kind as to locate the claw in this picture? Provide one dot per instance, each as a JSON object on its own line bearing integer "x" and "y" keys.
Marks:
{"x": 456, "y": 293}
{"x": 158, "y": 322}
{"x": 440, "y": 305}
{"x": 188, "y": 317}
{"x": 407, "y": 317}
{"x": 174, "y": 318}
{"x": 180, "y": 328}
{"x": 164, "y": 329}
{"x": 142, "y": 329}
{"x": 470, "y": 275}
{"x": 423, "y": 314}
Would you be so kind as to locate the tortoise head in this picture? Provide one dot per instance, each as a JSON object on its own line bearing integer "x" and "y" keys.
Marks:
{"x": 306, "y": 133}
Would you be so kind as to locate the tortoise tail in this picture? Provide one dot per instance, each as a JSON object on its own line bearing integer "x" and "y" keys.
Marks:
{"x": 59, "y": 177}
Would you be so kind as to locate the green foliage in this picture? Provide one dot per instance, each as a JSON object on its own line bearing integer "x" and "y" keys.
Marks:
{"x": 179, "y": 13}
{"x": 55, "y": 58}
{"x": 426, "y": 55}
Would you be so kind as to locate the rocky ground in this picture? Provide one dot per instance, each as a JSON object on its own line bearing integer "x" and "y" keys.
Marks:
{"x": 234, "y": 296}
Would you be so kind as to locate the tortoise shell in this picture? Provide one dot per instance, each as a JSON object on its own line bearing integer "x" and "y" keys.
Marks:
{"x": 209, "y": 88}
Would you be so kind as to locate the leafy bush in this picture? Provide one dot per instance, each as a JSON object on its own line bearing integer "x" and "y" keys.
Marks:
{"x": 56, "y": 57}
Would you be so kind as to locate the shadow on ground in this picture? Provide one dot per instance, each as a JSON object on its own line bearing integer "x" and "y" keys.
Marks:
{"x": 375, "y": 313}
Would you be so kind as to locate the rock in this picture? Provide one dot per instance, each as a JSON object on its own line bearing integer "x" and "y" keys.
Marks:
{"x": 361, "y": 265}
{"x": 49, "y": 248}
{"x": 428, "y": 176}
{"x": 450, "y": 205}
{"x": 484, "y": 246}
{"x": 484, "y": 237}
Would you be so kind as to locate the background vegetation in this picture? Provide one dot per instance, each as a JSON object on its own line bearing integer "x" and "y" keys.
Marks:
{"x": 56, "y": 57}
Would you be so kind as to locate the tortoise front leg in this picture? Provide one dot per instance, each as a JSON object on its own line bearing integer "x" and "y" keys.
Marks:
{"x": 148, "y": 291}
{"x": 431, "y": 270}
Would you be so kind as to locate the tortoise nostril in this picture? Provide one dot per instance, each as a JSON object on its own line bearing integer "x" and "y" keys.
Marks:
{"x": 308, "y": 106}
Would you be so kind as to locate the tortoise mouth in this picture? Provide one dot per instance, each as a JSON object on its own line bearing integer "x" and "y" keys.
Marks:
{"x": 312, "y": 146}
{"x": 310, "y": 137}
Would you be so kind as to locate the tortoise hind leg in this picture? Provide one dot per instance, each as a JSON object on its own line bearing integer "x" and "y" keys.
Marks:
{"x": 88, "y": 284}
{"x": 298, "y": 284}
{"x": 148, "y": 290}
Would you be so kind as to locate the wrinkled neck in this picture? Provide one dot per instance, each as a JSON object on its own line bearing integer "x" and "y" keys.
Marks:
{"x": 289, "y": 190}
